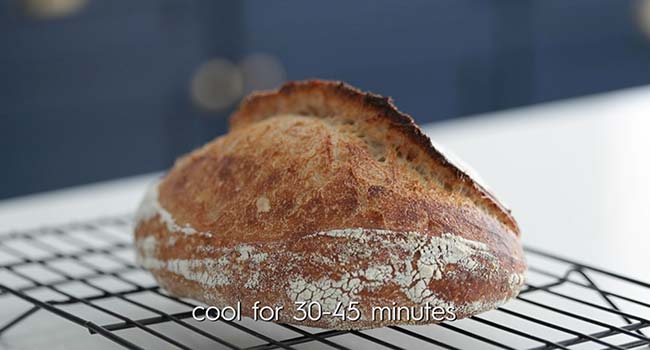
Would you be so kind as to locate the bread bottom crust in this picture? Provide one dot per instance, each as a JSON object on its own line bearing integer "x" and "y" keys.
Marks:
{"x": 367, "y": 268}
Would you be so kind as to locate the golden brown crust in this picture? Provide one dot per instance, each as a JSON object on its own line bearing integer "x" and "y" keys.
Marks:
{"x": 270, "y": 211}
{"x": 333, "y": 97}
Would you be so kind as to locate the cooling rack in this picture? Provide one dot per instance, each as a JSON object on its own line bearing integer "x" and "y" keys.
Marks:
{"x": 85, "y": 273}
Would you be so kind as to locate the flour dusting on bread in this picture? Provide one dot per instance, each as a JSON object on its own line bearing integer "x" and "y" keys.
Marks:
{"x": 409, "y": 261}
{"x": 431, "y": 254}
{"x": 150, "y": 207}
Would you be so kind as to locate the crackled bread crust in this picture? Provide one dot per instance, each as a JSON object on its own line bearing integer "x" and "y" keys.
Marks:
{"x": 321, "y": 192}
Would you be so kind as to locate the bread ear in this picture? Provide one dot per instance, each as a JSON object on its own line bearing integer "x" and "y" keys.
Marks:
{"x": 389, "y": 134}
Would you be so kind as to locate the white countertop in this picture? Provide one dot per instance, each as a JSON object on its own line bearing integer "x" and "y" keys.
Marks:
{"x": 575, "y": 173}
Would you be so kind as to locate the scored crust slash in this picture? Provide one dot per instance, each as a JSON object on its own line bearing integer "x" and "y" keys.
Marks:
{"x": 321, "y": 193}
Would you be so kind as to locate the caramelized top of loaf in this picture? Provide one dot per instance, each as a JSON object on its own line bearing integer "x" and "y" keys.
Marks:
{"x": 389, "y": 134}
{"x": 316, "y": 156}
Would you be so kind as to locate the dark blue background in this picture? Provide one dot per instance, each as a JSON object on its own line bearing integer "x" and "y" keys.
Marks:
{"x": 104, "y": 92}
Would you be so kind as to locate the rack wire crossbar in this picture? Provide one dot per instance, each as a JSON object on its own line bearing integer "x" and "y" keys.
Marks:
{"x": 85, "y": 273}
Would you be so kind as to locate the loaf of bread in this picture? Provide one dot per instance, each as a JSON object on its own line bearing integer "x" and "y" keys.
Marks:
{"x": 322, "y": 193}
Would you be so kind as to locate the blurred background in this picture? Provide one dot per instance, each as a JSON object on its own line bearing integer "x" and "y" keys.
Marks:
{"x": 98, "y": 89}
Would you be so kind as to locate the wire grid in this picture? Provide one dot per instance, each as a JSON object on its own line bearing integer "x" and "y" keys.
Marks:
{"x": 85, "y": 273}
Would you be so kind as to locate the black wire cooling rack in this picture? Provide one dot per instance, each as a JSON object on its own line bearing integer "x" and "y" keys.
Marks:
{"x": 85, "y": 273}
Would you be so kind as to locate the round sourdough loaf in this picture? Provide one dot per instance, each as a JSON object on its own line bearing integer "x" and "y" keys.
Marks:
{"x": 323, "y": 193}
